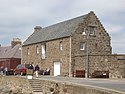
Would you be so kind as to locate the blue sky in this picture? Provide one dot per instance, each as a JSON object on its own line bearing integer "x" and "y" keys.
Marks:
{"x": 19, "y": 17}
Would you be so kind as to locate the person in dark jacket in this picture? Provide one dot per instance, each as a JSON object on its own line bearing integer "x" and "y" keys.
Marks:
{"x": 37, "y": 68}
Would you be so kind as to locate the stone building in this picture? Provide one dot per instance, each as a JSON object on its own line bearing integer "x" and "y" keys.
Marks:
{"x": 66, "y": 47}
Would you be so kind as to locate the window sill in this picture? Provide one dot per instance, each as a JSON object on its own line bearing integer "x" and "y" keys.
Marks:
{"x": 82, "y": 49}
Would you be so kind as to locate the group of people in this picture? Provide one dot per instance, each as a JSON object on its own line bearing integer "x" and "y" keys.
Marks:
{"x": 36, "y": 70}
{"x": 3, "y": 71}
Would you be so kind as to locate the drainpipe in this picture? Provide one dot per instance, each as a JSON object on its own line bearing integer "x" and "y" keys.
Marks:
{"x": 70, "y": 57}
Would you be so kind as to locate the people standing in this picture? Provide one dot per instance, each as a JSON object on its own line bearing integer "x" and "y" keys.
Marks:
{"x": 33, "y": 67}
{"x": 5, "y": 71}
{"x": 37, "y": 70}
{"x": 30, "y": 70}
{"x": 46, "y": 72}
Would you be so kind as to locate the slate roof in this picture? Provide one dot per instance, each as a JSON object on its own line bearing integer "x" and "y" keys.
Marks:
{"x": 9, "y": 52}
{"x": 59, "y": 30}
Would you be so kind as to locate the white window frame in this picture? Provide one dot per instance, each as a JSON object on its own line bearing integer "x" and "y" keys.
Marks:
{"x": 43, "y": 51}
{"x": 82, "y": 46}
{"x": 91, "y": 30}
{"x": 28, "y": 51}
{"x": 61, "y": 46}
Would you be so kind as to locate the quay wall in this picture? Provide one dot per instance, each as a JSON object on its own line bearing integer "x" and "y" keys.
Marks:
{"x": 14, "y": 85}
{"x": 20, "y": 85}
{"x": 57, "y": 87}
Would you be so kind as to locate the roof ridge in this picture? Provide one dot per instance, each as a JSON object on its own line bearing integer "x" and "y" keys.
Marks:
{"x": 65, "y": 21}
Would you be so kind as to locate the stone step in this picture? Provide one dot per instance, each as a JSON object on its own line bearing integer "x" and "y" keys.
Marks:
{"x": 37, "y": 93}
{"x": 36, "y": 85}
{"x": 39, "y": 85}
{"x": 37, "y": 90}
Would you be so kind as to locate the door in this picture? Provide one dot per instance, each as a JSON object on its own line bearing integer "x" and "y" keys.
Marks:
{"x": 56, "y": 68}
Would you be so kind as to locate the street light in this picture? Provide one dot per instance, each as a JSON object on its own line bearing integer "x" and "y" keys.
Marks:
{"x": 87, "y": 55}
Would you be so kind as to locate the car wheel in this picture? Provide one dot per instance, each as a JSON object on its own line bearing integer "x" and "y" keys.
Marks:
{"x": 21, "y": 73}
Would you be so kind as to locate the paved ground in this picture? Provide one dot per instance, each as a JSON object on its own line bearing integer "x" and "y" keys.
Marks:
{"x": 113, "y": 84}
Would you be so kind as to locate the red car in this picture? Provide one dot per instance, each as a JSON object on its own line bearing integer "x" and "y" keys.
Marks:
{"x": 21, "y": 69}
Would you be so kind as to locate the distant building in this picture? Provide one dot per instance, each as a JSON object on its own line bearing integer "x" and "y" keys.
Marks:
{"x": 63, "y": 47}
{"x": 10, "y": 56}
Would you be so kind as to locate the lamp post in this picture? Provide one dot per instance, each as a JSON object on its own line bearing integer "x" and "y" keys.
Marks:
{"x": 87, "y": 55}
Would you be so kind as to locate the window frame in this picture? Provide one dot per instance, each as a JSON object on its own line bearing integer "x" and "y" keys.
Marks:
{"x": 91, "y": 30}
{"x": 61, "y": 46}
{"x": 43, "y": 51}
{"x": 82, "y": 46}
{"x": 37, "y": 49}
{"x": 28, "y": 51}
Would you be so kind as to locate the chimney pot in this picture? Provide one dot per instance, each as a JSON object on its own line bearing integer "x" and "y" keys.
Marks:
{"x": 37, "y": 28}
{"x": 15, "y": 41}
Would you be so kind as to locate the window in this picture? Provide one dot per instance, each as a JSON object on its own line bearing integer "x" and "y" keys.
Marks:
{"x": 91, "y": 30}
{"x": 61, "y": 46}
{"x": 37, "y": 50}
{"x": 28, "y": 51}
{"x": 96, "y": 45}
{"x": 82, "y": 46}
{"x": 43, "y": 51}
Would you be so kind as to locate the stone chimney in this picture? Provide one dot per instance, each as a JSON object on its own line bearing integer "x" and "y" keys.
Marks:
{"x": 37, "y": 28}
{"x": 15, "y": 41}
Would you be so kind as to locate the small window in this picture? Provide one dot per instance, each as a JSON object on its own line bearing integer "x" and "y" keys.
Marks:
{"x": 37, "y": 50}
{"x": 28, "y": 51}
{"x": 82, "y": 46}
{"x": 96, "y": 45}
{"x": 91, "y": 30}
{"x": 61, "y": 46}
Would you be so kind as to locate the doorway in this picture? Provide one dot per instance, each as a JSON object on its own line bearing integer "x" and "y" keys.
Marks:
{"x": 56, "y": 68}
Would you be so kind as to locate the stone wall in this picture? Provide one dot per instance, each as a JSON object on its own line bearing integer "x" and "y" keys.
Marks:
{"x": 14, "y": 85}
{"x": 115, "y": 64}
{"x": 98, "y": 43}
{"x": 55, "y": 87}
{"x": 53, "y": 54}
{"x": 17, "y": 85}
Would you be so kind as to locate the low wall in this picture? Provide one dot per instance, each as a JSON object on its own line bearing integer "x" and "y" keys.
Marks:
{"x": 55, "y": 87}
{"x": 14, "y": 85}
{"x": 19, "y": 85}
